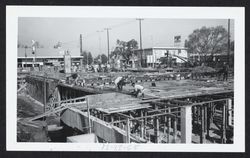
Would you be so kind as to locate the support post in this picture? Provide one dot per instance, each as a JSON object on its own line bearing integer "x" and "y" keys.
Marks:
{"x": 205, "y": 118}
{"x": 211, "y": 112}
{"x": 145, "y": 124}
{"x": 230, "y": 112}
{"x": 165, "y": 121}
{"x": 202, "y": 129}
{"x": 142, "y": 126}
{"x": 156, "y": 129}
{"x": 89, "y": 122}
{"x": 169, "y": 127}
{"x": 208, "y": 120}
{"x": 175, "y": 130}
{"x": 128, "y": 131}
{"x": 223, "y": 125}
{"x": 44, "y": 95}
{"x": 186, "y": 124}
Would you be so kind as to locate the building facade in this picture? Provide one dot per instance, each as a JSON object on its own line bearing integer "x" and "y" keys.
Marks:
{"x": 47, "y": 61}
{"x": 150, "y": 57}
{"x": 45, "y": 57}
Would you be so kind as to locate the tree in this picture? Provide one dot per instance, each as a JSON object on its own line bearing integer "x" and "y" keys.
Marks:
{"x": 232, "y": 46}
{"x": 207, "y": 41}
{"x": 101, "y": 59}
{"x": 125, "y": 49}
{"x": 90, "y": 58}
{"x": 87, "y": 58}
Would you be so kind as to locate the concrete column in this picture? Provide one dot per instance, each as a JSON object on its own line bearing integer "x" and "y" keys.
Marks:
{"x": 230, "y": 112}
{"x": 156, "y": 129}
{"x": 186, "y": 124}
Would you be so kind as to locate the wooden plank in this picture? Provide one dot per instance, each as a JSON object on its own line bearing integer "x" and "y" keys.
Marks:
{"x": 223, "y": 124}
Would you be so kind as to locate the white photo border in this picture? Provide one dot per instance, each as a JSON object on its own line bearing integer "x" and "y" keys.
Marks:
{"x": 236, "y": 13}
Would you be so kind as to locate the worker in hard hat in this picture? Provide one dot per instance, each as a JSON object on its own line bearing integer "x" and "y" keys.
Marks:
{"x": 138, "y": 90}
{"x": 119, "y": 82}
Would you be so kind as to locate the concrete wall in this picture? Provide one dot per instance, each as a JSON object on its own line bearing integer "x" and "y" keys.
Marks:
{"x": 35, "y": 87}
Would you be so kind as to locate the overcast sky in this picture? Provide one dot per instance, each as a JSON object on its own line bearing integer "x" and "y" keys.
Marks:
{"x": 155, "y": 32}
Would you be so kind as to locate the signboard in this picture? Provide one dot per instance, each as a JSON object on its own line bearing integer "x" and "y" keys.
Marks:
{"x": 33, "y": 46}
{"x": 177, "y": 39}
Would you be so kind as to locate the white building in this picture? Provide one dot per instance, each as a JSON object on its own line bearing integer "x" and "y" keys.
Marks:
{"x": 150, "y": 57}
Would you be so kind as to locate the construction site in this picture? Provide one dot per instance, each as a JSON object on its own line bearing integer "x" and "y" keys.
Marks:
{"x": 157, "y": 95}
{"x": 176, "y": 107}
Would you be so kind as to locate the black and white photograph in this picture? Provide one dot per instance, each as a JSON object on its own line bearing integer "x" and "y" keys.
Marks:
{"x": 145, "y": 79}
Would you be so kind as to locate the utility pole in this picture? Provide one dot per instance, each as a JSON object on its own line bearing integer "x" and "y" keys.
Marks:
{"x": 108, "y": 40}
{"x": 80, "y": 44}
{"x": 81, "y": 48}
{"x": 25, "y": 47}
{"x": 140, "y": 19}
{"x": 228, "y": 44}
{"x": 100, "y": 50}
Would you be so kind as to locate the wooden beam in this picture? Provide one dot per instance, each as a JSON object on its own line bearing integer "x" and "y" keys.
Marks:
{"x": 223, "y": 125}
{"x": 169, "y": 128}
{"x": 202, "y": 134}
{"x": 128, "y": 130}
{"x": 156, "y": 129}
{"x": 175, "y": 130}
{"x": 141, "y": 125}
{"x": 208, "y": 120}
{"x": 230, "y": 112}
{"x": 89, "y": 122}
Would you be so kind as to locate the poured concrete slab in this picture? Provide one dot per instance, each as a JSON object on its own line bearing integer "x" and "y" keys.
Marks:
{"x": 84, "y": 138}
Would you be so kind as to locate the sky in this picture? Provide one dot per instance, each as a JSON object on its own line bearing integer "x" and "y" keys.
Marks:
{"x": 155, "y": 32}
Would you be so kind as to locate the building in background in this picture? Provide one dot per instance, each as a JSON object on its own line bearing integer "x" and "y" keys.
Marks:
{"x": 150, "y": 57}
{"x": 45, "y": 57}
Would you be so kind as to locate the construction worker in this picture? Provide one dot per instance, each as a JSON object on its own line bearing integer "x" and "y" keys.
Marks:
{"x": 138, "y": 90}
{"x": 75, "y": 77}
{"x": 119, "y": 82}
{"x": 225, "y": 71}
